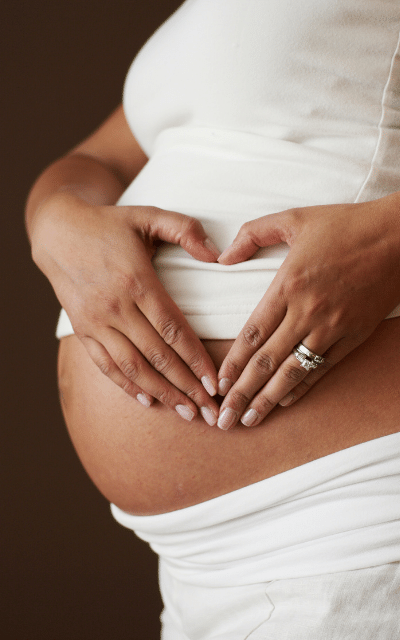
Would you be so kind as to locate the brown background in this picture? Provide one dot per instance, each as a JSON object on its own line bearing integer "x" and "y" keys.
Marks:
{"x": 67, "y": 571}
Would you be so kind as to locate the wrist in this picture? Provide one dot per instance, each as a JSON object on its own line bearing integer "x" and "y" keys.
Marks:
{"x": 49, "y": 216}
{"x": 75, "y": 175}
{"x": 51, "y": 207}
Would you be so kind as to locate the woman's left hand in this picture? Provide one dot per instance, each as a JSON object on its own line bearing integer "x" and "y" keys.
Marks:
{"x": 340, "y": 279}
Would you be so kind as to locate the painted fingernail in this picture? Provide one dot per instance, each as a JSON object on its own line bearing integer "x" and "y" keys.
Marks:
{"x": 225, "y": 252}
{"x": 223, "y": 386}
{"x": 184, "y": 412}
{"x": 143, "y": 400}
{"x": 209, "y": 416}
{"x": 250, "y": 417}
{"x": 211, "y": 247}
{"x": 208, "y": 385}
{"x": 227, "y": 418}
{"x": 287, "y": 400}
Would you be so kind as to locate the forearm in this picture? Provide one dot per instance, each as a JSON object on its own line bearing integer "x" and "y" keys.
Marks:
{"x": 96, "y": 171}
{"x": 81, "y": 175}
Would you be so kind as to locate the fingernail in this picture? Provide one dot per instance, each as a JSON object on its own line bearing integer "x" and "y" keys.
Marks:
{"x": 223, "y": 386}
{"x": 208, "y": 385}
{"x": 143, "y": 400}
{"x": 287, "y": 400}
{"x": 227, "y": 418}
{"x": 250, "y": 417}
{"x": 184, "y": 412}
{"x": 209, "y": 416}
{"x": 224, "y": 253}
{"x": 211, "y": 247}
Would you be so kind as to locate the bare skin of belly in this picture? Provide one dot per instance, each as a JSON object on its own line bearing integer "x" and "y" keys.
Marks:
{"x": 149, "y": 461}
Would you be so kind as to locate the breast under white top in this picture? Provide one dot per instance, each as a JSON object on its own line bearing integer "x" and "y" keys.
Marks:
{"x": 249, "y": 107}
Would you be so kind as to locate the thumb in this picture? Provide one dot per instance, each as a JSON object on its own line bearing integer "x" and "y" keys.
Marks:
{"x": 261, "y": 232}
{"x": 178, "y": 228}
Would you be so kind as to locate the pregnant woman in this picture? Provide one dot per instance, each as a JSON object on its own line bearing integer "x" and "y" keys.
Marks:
{"x": 268, "y": 131}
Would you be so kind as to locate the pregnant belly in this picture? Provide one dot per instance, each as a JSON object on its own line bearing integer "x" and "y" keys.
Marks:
{"x": 150, "y": 461}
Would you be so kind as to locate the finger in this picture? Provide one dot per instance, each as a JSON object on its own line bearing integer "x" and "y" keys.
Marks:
{"x": 137, "y": 369}
{"x": 260, "y": 368}
{"x": 290, "y": 374}
{"x": 122, "y": 356}
{"x": 333, "y": 355}
{"x": 261, "y": 232}
{"x": 166, "y": 361}
{"x": 263, "y": 322}
{"x": 178, "y": 228}
{"x": 107, "y": 366}
{"x": 172, "y": 326}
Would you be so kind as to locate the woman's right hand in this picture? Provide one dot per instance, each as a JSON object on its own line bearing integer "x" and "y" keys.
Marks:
{"x": 98, "y": 260}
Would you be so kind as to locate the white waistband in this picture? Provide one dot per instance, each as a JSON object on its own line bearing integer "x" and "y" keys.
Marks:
{"x": 337, "y": 513}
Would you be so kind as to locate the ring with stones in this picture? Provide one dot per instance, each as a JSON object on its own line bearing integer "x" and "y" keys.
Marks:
{"x": 308, "y": 359}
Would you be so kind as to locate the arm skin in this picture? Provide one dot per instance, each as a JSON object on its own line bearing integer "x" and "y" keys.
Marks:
{"x": 98, "y": 170}
{"x": 338, "y": 282}
{"x": 98, "y": 259}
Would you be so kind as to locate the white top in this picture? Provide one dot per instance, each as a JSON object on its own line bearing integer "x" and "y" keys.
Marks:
{"x": 249, "y": 107}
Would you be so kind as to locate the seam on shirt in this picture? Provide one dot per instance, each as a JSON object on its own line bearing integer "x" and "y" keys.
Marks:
{"x": 381, "y": 122}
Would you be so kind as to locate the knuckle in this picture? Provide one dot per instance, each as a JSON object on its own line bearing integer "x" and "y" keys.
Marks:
{"x": 238, "y": 399}
{"x": 319, "y": 305}
{"x": 129, "y": 367}
{"x": 133, "y": 286}
{"x": 290, "y": 221}
{"x": 170, "y": 331}
{"x": 190, "y": 230}
{"x": 191, "y": 226}
{"x": 265, "y": 404}
{"x": 159, "y": 361}
{"x": 295, "y": 213}
{"x": 247, "y": 231}
{"x": 246, "y": 228}
{"x": 111, "y": 304}
{"x": 127, "y": 386}
{"x": 252, "y": 335}
{"x": 84, "y": 312}
{"x": 293, "y": 374}
{"x": 165, "y": 397}
{"x": 293, "y": 217}
{"x": 80, "y": 332}
{"x": 263, "y": 363}
{"x": 195, "y": 361}
{"x": 232, "y": 370}
{"x": 296, "y": 282}
{"x": 337, "y": 322}
{"x": 193, "y": 393}
{"x": 105, "y": 365}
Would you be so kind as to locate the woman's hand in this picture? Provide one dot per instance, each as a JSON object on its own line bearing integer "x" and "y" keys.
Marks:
{"x": 341, "y": 278}
{"x": 98, "y": 259}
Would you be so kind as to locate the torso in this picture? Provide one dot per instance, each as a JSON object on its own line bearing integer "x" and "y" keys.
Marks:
{"x": 237, "y": 125}
{"x": 150, "y": 461}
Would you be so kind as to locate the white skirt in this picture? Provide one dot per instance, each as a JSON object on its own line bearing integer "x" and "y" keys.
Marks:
{"x": 312, "y": 553}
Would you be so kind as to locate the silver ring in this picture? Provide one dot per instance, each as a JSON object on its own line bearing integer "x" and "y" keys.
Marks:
{"x": 307, "y": 358}
{"x": 310, "y": 354}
